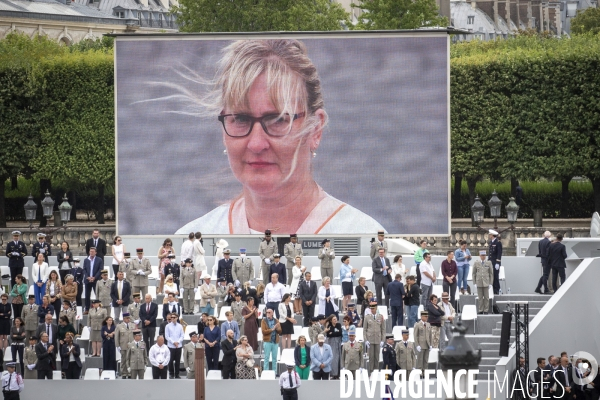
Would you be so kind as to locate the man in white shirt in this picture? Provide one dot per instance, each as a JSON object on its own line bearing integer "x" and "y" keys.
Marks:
{"x": 159, "y": 359}
{"x": 427, "y": 279}
{"x": 174, "y": 338}
{"x": 12, "y": 383}
{"x": 274, "y": 292}
{"x": 289, "y": 382}
{"x": 447, "y": 321}
{"x": 187, "y": 248}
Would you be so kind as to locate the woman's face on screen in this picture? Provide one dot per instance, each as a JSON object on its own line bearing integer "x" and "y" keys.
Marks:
{"x": 264, "y": 163}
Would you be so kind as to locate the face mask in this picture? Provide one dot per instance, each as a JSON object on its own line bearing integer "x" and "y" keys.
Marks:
{"x": 76, "y": 265}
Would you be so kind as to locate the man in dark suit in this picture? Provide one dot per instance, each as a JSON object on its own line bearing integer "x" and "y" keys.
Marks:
{"x": 563, "y": 377}
{"x": 495, "y": 256}
{"x": 229, "y": 358}
{"x": 163, "y": 325}
{"x": 91, "y": 274}
{"x": 120, "y": 294}
{"x": 381, "y": 275}
{"x": 98, "y": 243}
{"x": 41, "y": 247}
{"x": 46, "y": 355}
{"x": 172, "y": 306}
{"x": 279, "y": 269}
{"x": 225, "y": 267}
{"x": 395, "y": 294}
{"x": 15, "y": 251}
{"x": 542, "y": 378}
{"x": 49, "y": 328}
{"x": 148, "y": 314}
{"x": 557, "y": 254}
{"x": 308, "y": 294}
{"x": 543, "y": 254}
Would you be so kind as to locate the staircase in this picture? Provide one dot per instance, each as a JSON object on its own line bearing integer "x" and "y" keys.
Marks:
{"x": 489, "y": 327}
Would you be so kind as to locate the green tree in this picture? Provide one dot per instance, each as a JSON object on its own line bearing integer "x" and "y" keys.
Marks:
{"x": 586, "y": 21}
{"x": 398, "y": 14}
{"x": 258, "y": 15}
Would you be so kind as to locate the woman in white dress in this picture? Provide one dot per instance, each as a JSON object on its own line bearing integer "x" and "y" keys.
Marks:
{"x": 327, "y": 298}
{"x": 399, "y": 268}
{"x": 298, "y": 271}
{"x": 118, "y": 254}
{"x": 199, "y": 261}
{"x": 221, "y": 245}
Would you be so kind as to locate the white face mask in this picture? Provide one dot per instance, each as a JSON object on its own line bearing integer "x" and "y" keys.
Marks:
{"x": 76, "y": 265}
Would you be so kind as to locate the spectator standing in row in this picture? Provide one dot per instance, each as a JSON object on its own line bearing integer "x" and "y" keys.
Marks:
{"x": 140, "y": 268}
{"x": 483, "y": 278}
{"x": 98, "y": 244}
{"x": 225, "y": 268}
{"x": 427, "y": 279}
{"x": 92, "y": 267}
{"x": 243, "y": 269}
{"x": 136, "y": 357}
{"x": 118, "y": 254}
{"x": 159, "y": 357}
{"x": 199, "y": 261}
{"x": 271, "y": 329}
{"x": 308, "y": 293}
{"x": 274, "y": 292}
{"x": 374, "y": 334}
{"x": 435, "y": 314}
{"x": 406, "y": 354}
{"x": 352, "y": 353}
{"x": 399, "y": 268}
{"x": 189, "y": 284}
{"x": 39, "y": 272}
{"x": 347, "y": 274}
{"x": 30, "y": 316}
{"x": 189, "y": 355}
{"x": 302, "y": 358}
{"x": 79, "y": 278}
{"x": 395, "y": 293}
{"x": 187, "y": 248}
{"x": 419, "y": 259}
{"x": 46, "y": 357}
{"x": 64, "y": 258}
{"x": 120, "y": 294}
{"x": 31, "y": 358}
{"x": 266, "y": 250}
{"x": 380, "y": 243}
{"x": 543, "y": 254}
{"x": 208, "y": 292}
{"x": 229, "y": 345}
{"x": 292, "y": 250}
{"x": 495, "y": 255}
{"x": 462, "y": 256}
{"x": 40, "y": 247}
{"x": 382, "y": 270}
{"x": 447, "y": 321}
{"x": 326, "y": 255}
{"x": 148, "y": 314}
{"x": 320, "y": 358}
{"x": 422, "y": 334}
{"x": 174, "y": 338}
{"x": 124, "y": 336}
{"x": 449, "y": 274}
{"x": 69, "y": 355}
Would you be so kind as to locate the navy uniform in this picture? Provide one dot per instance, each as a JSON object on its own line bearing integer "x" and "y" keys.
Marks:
{"x": 12, "y": 383}
{"x": 173, "y": 269}
{"x": 15, "y": 251}
{"x": 136, "y": 357}
{"x": 389, "y": 354}
{"x": 279, "y": 269}
{"x": 78, "y": 276}
{"x": 41, "y": 247}
{"x": 290, "y": 251}
{"x": 495, "y": 254}
{"x": 225, "y": 268}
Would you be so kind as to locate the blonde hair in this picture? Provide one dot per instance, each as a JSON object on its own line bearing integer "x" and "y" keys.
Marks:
{"x": 326, "y": 279}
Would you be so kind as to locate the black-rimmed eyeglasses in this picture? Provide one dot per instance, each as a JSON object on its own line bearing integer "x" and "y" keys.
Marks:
{"x": 240, "y": 125}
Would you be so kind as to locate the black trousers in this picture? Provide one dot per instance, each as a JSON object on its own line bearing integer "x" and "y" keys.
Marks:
{"x": 57, "y": 304}
{"x": 273, "y": 305}
{"x": 79, "y": 293}
{"x": 63, "y": 273}
{"x": 308, "y": 312}
{"x": 556, "y": 272}
{"x": 418, "y": 274}
{"x": 14, "y": 271}
{"x": 149, "y": 332}
{"x": 12, "y": 395}
{"x": 320, "y": 375}
{"x": 289, "y": 394}
{"x": 544, "y": 279}
{"x": 228, "y": 372}
{"x": 378, "y": 292}
{"x": 212, "y": 357}
{"x": 44, "y": 374}
{"x": 17, "y": 308}
{"x": 115, "y": 270}
{"x": 18, "y": 350}
{"x": 158, "y": 373}
{"x": 89, "y": 286}
{"x": 496, "y": 284}
{"x": 174, "y": 361}
{"x": 74, "y": 371}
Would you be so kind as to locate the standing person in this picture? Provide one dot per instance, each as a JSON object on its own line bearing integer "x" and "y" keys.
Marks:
{"x": 16, "y": 251}
{"x": 221, "y": 245}
{"x": 31, "y": 358}
{"x": 352, "y": 353}
{"x": 427, "y": 278}
{"x": 302, "y": 357}
{"x": 103, "y": 289}
{"x": 449, "y": 273}
{"x": 64, "y": 327}
{"x": 30, "y": 316}
{"x": 543, "y": 254}
{"x": 187, "y": 248}
{"x": 44, "y": 309}
{"x": 388, "y": 354}
{"x": 39, "y": 272}
{"x": 17, "y": 337}
{"x": 69, "y": 355}
{"x": 237, "y": 307}
{"x": 174, "y": 270}
{"x": 243, "y": 269}
{"x": 229, "y": 324}
{"x": 333, "y": 334}
{"x": 64, "y": 258}
{"x": 174, "y": 338}
{"x": 68, "y": 312}
{"x": 374, "y": 334}
{"x": 406, "y": 355}
{"x": 46, "y": 357}
{"x": 395, "y": 293}
{"x": 109, "y": 354}
{"x": 347, "y": 274}
{"x": 353, "y": 316}
{"x": 447, "y": 321}
{"x": 136, "y": 357}
{"x": 307, "y": 290}
{"x": 92, "y": 267}
{"x": 382, "y": 270}
{"x": 320, "y": 359}
{"x": 96, "y": 318}
{"x": 159, "y": 356}
{"x": 278, "y": 268}
{"x": 229, "y": 346}
{"x": 289, "y": 382}
{"x": 69, "y": 291}
{"x": 286, "y": 318}
{"x": 5, "y": 317}
{"x": 118, "y": 254}
{"x": 298, "y": 277}
{"x": 125, "y": 268}
{"x": 189, "y": 284}
{"x": 316, "y": 328}
{"x": 189, "y": 355}
{"x": 271, "y": 329}
{"x": 41, "y": 247}
{"x": 380, "y": 243}
{"x": 483, "y": 277}
{"x": 18, "y": 293}
{"x": 495, "y": 254}
{"x": 134, "y": 310}
{"x": 435, "y": 313}
{"x": 422, "y": 334}
{"x": 419, "y": 259}
{"x": 49, "y": 328}
{"x": 171, "y": 306}
{"x": 250, "y": 313}
{"x": 12, "y": 382}
{"x": 274, "y": 292}
{"x": 163, "y": 257}
{"x": 360, "y": 290}
{"x": 399, "y": 268}
{"x": 53, "y": 290}
{"x": 98, "y": 244}
{"x": 123, "y": 336}
{"x": 140, "y": 268}
{"x": 244, "y": 367}
{"x": 79, "y": 278}
{"x": 208, "y": 292}
{"x": 557, "y": 254}
{"x": 212, "y": 343}
{"x": 462, "y": 255}
{"x": 199, "y": 261}
{"x": 148, "y": 314}
{"x": 327, "y": 298}
{"x": 266, "y": 249}
{"x": 326, "y": 255}
{"x": 291, "y": 251}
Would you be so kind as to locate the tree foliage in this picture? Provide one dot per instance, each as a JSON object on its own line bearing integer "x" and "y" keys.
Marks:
{"x": 258, "y": 15}
{"x": 398, "y": 14}
{"x": 586, "y": 21}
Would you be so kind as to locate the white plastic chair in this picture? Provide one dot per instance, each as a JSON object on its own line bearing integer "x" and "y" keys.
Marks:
{"x": 315, "y": 274}
{"x": 383, "y": 310}
{"x": 213, "y": 375}
{"x": 152, "y": 291}
{"x": 222, "y": 316}
{"x": 360, "y": 334}
{"x": 287, "y": 357}
{"x": 267, "y": 375}
{"x": 413, "y": 270}
{"x": 434, "y": 356}
{"x": 469, "y": 313}
{"x": 304, "y": 332}
{"x": 438, "y": 290}
{"x": 85, "y": 333}
{"x": 57, "y": 375}
{"x": 108, "y": 375}
{"x": 397, "y": 332}
{"x": 337, "y": 291}
{"x": 261, "y": 311}
{"x": 367, "y": 273}
{"x": 92, "y": 374}
{"x": 148, "y": 374}
{"x": 502, "y": 278}
{"x": 297, "y": 332}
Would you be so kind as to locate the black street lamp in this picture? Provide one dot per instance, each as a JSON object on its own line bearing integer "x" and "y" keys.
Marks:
{"x": 512, "y": 209}
{"x": 48, "y": 210}
{"x": 30, "y": 210}
{"x": 477, "y": 210}
{"x": 65, "y": 210}
{"x": 495, "y": 203}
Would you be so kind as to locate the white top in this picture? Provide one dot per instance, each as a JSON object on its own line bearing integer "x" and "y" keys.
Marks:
{"x": 274, "y": 293}
{"x": 174, "y": 334}
{"x": 426, "y": 267}
{"x": 199, "y": 262}
{"x": 172, "y": 288}
{"x": 399, "y": 269}
{"x": 12, "y": 381}
{"x": 332, "y": 298}
{"x": 296, "y": 273}
{"x": 118, "y": 250}
{"x": 330, "y": 215}
{"x": 187, "y": 250}
{"x": 38, "y": 270}
{"x": 284, "y": 380}
{"x": 159, "y": 355}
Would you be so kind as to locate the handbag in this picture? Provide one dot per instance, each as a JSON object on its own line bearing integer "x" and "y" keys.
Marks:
{"x": 250, "y": 363}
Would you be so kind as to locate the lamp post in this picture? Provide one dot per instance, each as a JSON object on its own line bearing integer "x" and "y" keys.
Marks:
{"x": 65, "y": 210}
{"x": 495, "y": 203}
{"x": 47, "y": 208}
{"x": 477, "y": 211}
{"x": 460, "y": 355}
{"x": 30, "y": 210}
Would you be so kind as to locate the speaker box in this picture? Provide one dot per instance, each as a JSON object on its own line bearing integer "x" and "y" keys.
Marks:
{"x": 505, "y": 334}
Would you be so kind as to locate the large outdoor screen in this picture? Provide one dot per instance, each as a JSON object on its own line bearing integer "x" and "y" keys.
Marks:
{"x": 331, "y": 134}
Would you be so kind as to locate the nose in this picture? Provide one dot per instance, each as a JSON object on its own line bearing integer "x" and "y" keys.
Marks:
{"x": 258, "y": 138}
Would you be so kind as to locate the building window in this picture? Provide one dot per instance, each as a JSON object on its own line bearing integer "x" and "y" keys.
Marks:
{"x": 120, "y": 14}
{"x": 470, "y": 20}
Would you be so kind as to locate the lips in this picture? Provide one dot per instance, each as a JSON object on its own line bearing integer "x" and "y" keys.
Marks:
{"x": 260, "y": 164}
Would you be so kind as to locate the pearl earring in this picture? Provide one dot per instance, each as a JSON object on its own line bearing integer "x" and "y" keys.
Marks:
{"x": 314, "y": 154}
{"x": 225, "y": 151}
